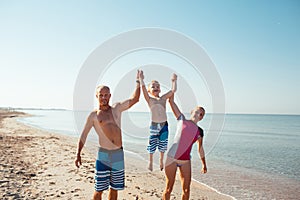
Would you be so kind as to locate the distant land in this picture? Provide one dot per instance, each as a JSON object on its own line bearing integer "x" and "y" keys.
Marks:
{"x": 187, "y": 113}
{"x": 13, "y": 108}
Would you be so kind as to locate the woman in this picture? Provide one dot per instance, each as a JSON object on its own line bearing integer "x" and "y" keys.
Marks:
{"x": 179, "y": 153}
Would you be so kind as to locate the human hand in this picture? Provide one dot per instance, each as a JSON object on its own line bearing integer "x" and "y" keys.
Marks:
{"x": 204, "y": 169}
{"x": 174, "y": 77}
{"x": 138, "y": 75}
{"x": 78, "y": 161}
{"x": 141, "y": 75}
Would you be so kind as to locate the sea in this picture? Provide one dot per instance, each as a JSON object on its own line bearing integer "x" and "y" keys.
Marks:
{"x": 249, "y": 156}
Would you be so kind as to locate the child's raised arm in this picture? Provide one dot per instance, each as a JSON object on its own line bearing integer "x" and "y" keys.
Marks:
{"x": 174, "y": 87}
{"x": 145, "y": 92}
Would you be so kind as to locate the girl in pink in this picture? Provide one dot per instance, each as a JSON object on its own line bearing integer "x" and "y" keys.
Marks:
{"x": 179, "y": 153}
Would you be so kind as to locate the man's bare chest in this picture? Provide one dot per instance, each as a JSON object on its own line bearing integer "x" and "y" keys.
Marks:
{"x": 105, "y": 117}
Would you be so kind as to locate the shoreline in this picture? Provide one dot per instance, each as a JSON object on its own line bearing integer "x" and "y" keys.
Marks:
{"x": 48, "y": 160}
{"x": 136, "y": 156}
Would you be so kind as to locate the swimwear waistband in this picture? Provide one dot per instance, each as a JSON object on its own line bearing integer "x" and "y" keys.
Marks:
{"x": 161, "y": 124}
{"x": 110, "y": 150}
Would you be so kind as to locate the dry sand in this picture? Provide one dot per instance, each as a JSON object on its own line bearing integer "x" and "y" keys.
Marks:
{"x": 37, "y": 164}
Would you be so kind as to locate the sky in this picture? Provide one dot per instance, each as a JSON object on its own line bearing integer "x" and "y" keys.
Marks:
{"x": 254, "y": 45}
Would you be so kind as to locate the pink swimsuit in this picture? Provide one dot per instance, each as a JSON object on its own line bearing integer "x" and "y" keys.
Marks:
{"x": 186, "y": 135}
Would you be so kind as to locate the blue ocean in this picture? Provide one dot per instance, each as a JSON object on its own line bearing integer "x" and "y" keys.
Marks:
{"x": 249, "y": 157}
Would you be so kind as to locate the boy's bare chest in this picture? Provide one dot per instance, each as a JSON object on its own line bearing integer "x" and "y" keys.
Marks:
{"x": 160, "y": 101}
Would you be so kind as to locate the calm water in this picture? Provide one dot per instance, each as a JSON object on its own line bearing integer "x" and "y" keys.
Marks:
{"x": 252, "y": 157}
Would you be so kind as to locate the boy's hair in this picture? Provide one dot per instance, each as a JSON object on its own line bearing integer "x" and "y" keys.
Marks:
{"x": 153, "y": 81}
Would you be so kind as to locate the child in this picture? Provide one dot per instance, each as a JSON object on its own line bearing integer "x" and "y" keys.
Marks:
{"x": 159, "y": 125}
{"x": 179, "y": 153}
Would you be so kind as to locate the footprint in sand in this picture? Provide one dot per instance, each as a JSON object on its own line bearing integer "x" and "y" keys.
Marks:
{"x": 76, "y": 190}
{"x": 72, "y": 170}
{"x": 52, "y": 183}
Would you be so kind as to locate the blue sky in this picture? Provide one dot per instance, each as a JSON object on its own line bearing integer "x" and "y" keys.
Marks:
{"x": 255, "y": 46}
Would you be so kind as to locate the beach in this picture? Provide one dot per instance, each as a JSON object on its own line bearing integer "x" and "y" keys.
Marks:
{"x": 37, "y": 164}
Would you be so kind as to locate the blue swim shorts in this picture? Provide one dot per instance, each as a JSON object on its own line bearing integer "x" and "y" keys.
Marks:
{"x": 158, "y": 137}
{"x": 109, "y": 170}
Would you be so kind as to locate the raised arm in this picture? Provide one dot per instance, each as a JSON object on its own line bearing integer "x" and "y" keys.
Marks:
{"x": 134, "y": 98}
{"x": 145, "y": 92}
{"x": 174, "y": 107}
{"x": 87, "y": 127}
{"x": 174, "y": 87}
{"x": 202, "y": 155}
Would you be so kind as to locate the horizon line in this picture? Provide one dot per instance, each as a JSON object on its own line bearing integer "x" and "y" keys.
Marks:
{"x": 66, "y": 109}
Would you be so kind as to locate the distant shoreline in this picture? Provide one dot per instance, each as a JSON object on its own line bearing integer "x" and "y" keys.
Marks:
{"x": 225, "y": 114}
{"x": 16, "y": 108}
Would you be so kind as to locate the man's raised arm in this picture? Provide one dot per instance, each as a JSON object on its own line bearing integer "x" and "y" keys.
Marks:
{"x": 134, "y": 98}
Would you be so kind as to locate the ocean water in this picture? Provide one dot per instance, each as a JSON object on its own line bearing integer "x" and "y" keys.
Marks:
{"x": 250, "y": 157}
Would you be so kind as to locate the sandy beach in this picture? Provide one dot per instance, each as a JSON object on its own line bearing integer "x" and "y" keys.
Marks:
{"x": 37, "y": 164}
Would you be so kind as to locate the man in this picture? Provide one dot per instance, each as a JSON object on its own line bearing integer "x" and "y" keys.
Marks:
{"x": 106, "y": 121}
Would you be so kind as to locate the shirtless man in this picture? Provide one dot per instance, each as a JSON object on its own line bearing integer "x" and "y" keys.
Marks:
{"x": 106, "y": 121}
{"x": 159, "y": 126}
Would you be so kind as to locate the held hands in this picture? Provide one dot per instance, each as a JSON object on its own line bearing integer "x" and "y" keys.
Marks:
{"x": 141, "y": 75}
{"x": 138, "y": 75}
{"x": 174, "y": 77}
{"x": 174, "y": 83}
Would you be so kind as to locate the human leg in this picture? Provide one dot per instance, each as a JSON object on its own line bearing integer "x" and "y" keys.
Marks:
{"x": 102, "y": 174}
{"x": 163, "y": 144}
{"x": 117, "y": 179}
{"x": 170, "y": 174}
{"x": 113, "y": 194}
{"x": 150, "y": 166}
{"x": 97, "y": 195}
{"x": 109, "y": 171}
{"x": 161, "y": 161}
{"x": 153, "y": 142}
{"x": 185, "y": 177}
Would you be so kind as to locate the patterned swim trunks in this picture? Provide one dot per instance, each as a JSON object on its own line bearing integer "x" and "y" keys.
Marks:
{"x": 109, "y": 170}
{"x": 158, "y": 137}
